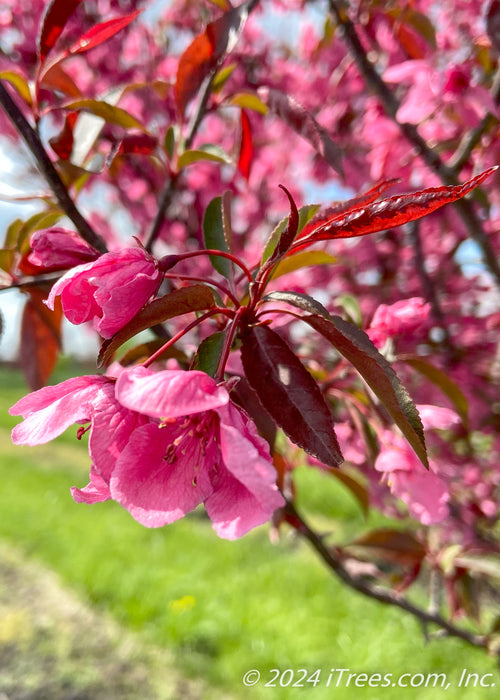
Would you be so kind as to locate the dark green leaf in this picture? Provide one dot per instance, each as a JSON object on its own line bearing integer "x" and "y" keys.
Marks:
{"x": 213, "y": 235}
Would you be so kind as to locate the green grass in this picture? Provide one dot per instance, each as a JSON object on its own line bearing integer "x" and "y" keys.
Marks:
{"x": 220, "y": 607}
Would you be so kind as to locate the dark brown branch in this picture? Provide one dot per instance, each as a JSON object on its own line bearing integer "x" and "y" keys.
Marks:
{"x": 389, "y": 102}
{"x": 48, "y": 170}
{"x": 377, "y": 592}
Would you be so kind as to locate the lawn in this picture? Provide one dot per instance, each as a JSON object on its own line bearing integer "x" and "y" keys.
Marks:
{"x": 220, "y": 608}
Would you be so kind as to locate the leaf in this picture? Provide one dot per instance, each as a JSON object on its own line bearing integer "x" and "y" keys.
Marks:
{"x": 288, "y": 236}
{"x": 19, "y": 83}
{"x": 137, "y": 144}
{"x": 181, "y": 301}
{"x": 56, "y": 78}
{"x": 209, "y": 353}
{"x": 56, "y": 15}
{"x": 7, "y": 257}
{"x": 170, "y": 141}
{"x": 443, "y": 381}
{"x": 401, "y": 209}
{"x": 294, "y": 115}
{"x": 226, "y": 219}
{"x": 207, "y": 151}
{"x": 40, "y": 339}
{"x": 247, "y": 100}
{"x": 300, "y": 260}
{"x": 289, "y": 393}
{"x": 305, "y": 213}
{"x": 62, "y": 144}
{"x": 245, "y": 396}
{"x": 273, "y": 239}
{"x": 301, "y": 301}
{"x": 101, "y": 33}
{"x": 205, "y": 53}
{"x": 246, "y": 147}
{"x": 222, "y": 77}
{"x": 351, "y": 307}
{"x": 328, "y": 213}
{"x": 213, "y": 235}
{"x": 108, "y": 112}
{"x": 396, "y": 546}
{"x": 359, "y": 350}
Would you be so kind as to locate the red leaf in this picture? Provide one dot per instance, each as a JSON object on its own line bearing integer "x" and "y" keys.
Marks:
{"x": 379, "y": 216}
{"x": 62, "y": 144}
{"x": 298, "y": 118}
{"x": 56, "y": 15}
{"x": 327, "y": 214}
{"x": 40, "y": 339}
{"x": 101, "y": 33}
{"x": 289, "y": 393}
{"x": 204, "y": 53}
{"x": 137, "y": 144}
{"x": 288, "y": 235}
{"x": 246, "y": 147}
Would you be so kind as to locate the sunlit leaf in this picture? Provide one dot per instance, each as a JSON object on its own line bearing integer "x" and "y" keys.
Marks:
{"x": 101, "y": 33}
{"x": 300, "y": 260}
{"x": 207, "y": 151}
{"x": 108, "y": 112}
{"x": 247, "y": 100}
{"x": 246, "y": 147}
{"x": 19, "y": 83}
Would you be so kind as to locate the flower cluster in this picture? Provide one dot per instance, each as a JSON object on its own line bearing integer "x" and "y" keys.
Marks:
{"x": 161, "y": 443}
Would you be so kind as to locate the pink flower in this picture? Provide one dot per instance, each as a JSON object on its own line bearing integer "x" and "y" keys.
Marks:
{"x": 205, "y": 449}
{"x": 425, "y": 494}
{"x": 161, "y": 444}
{"x": 110, "y": 291}
{"x": 58, "y": 248}
{"x": 402, "y": 317}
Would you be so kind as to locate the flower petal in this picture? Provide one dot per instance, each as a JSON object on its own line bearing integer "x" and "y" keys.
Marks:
{"x": 154, "y": 490}
{"x": 95, "y": 492}
{"x": 49, "y": 411}
{"x": 170, "y": 393}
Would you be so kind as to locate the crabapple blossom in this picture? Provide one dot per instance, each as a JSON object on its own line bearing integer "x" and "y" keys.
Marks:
{"x": 109, "y": 291}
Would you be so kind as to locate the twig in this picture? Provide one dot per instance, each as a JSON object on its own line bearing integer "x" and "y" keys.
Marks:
{"x": 391, "y": 106}
{"x": 48, "y": 170}
{"x": 377, "y": 592}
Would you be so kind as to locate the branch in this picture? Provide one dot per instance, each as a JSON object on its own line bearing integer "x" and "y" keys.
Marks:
{"x": 48, "y": 170}
{"x": 377, "y": 592}
{"x": 389, "y": 102}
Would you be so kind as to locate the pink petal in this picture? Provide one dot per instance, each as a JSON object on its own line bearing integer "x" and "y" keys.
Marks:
{"x": 49, "y": 411}
{"x": 112, "y": 426}
{"x": 424, "y": 493}
{"x": 246, "y": 495}
{"x": 437, "y": 417}
{"x": 95, "y": 492}
{"x": 155, "y": 491}
{"x": 170, "y": 393}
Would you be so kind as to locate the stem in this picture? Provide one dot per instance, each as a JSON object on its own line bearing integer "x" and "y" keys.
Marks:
{"x": 389, "y": 102}
{"x": 221, "y": 254}
{"x": 183, "y": 332}
{"x": 191, "y": 278}
{"x": 48, "y": 170}
{"x": 374, "y": 591}
{"x": 228, "y": 341}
